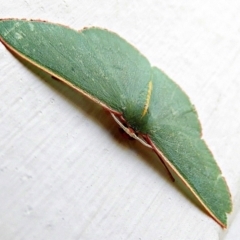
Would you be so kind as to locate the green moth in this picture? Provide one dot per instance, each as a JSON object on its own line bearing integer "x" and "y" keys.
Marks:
{"x": 143, "y": 100}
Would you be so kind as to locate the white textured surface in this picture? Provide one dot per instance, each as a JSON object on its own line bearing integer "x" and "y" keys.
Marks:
{"x": 66, "y": 172}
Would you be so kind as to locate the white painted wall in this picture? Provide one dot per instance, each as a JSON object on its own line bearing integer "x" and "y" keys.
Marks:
{"x": 67, "y": 173}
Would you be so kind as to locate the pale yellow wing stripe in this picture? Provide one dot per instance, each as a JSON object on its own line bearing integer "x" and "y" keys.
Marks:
{"x": 149, "y": 93}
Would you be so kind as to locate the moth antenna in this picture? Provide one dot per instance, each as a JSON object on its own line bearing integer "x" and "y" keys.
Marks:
{"x": 149, "y": 141}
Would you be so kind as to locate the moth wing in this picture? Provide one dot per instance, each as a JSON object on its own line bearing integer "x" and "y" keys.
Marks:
{"x": 174, "y": 128}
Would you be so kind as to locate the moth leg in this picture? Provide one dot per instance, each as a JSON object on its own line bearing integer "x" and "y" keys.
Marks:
{"x": 146, "y": 141}
{"x": 161, "y": 158}
{"x": 128, "y": 130}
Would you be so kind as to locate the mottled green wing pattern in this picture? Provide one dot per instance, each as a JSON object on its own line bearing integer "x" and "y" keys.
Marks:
{"x": 113, "y": 73}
